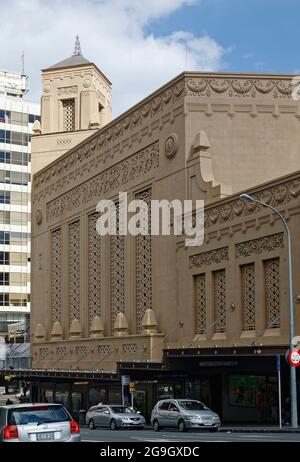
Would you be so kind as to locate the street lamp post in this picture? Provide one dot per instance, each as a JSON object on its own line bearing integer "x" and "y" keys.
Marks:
{"x": 293, "y": 384}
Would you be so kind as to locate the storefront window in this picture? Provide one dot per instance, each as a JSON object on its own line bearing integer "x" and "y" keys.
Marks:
{"x": 97, "y": 395}
{"x": 47, "y": 393}
{"x": 114, "y": 395}
{"x": 62, "y": 395}
{"x": 167, "y": 391}
{"x": 247, "y": 391}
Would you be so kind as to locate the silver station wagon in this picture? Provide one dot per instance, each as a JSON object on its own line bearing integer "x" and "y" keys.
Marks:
{"x": 30, "y": 423}
{"x": 184, "y": 414}
{"x": 113, "y": 417}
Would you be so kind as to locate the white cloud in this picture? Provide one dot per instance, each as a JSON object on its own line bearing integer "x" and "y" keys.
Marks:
{"x": 114, "y": 35}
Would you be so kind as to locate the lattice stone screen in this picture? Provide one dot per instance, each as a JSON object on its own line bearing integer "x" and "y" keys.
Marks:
{"x": 200, "y": 303}
{"x": 143, "y": 265}
{"x": 117, "y": 279}
{"x": 94, "y": 269}
{"x": 220, "y": 300}
{"x": 56, "y": 284}
{"x": 248, "y": 296}
{"x": 68, "y": 115}
{"x": 74, "y": 271}
{"x": 272, "y": 293}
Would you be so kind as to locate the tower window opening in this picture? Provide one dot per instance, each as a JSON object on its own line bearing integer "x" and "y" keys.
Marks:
{"x": 68, "y": 115}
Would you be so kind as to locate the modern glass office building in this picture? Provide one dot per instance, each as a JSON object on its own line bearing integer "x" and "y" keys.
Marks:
{"x": 16, "y": 120}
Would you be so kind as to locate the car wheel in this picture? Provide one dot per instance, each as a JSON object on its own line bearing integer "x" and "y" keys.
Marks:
{"x": 181, "y": 426}
{"x": 113, "y": 424}
{"x": 92, "y": 425}
{"x": 156, "y": 426}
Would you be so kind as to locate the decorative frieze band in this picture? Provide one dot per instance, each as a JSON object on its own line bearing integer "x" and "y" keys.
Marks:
{"x": 133, "y": 167}
{"x": 65, "y": 91}
{"x": 276, "y": 196}
{"x": 260, "y": 245}
{"x": 208, "y": 258}
{"x": 240, "y": 87}
{"x": 186, "y": 85}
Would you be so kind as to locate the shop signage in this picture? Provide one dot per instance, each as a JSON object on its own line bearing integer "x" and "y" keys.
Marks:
{"x": 218, "y": 363}
{"x": 125, "y": 379}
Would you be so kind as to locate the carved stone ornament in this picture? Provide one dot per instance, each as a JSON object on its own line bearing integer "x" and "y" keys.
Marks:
{"x": 47, "y": 88}
{"x": 65, "y": 91}
{"x": 149, "y": 322}
{"x": 188, "y": 85}
{"x": 121, "y": 325}
{"x": 207, "y": 258}
{"x": 87, "y": 83}
{"x": 39, "y": 217}
{"x": 75, "y": 329}
{"x": 277, "y": 195}
{"x": 260, "y": 245}
{"x": 239, "y": 87}
{"x": 40, "y": 332}
{"x": 171, "y": 145}
{"x": 56, "y": 332}
{"x": 114, "y": 177}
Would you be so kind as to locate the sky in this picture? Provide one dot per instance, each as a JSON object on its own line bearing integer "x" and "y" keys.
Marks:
{"x": 141, "y": 44}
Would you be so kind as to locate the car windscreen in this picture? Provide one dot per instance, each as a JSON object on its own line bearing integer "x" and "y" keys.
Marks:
{"x": 38, "y": 415}
{"x": 192, "y": 406}
{"x": 121, "y": 410}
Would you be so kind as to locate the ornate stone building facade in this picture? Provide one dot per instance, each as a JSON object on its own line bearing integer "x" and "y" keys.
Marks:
{"x": 75, "y": 101}
{"x": 201, "y": 136}
{"x": 119, "y": 301}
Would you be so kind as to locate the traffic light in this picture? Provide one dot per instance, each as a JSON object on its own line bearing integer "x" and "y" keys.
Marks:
{"x": 132, "y": 388}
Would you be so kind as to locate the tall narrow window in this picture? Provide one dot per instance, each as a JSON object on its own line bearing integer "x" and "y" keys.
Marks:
{"x": 272, "y": 293}
{"x": 56, "y": 275}
{"x": 248, "y": 296}
{"x": 94, "y": 271}
{"x": 220, "y": 300}
{"x": 74, "y": 271}
{"x": 200, "y": 303}
{"x": 143, "y": 265}
{"x": 68, "y": 115}
{"x": 117, "y": 279}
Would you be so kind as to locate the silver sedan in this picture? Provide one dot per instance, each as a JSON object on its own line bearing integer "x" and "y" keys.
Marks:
{"x": 113, "y": 417}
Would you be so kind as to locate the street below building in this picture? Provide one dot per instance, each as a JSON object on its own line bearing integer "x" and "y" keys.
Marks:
{"x": 148, "y": 435}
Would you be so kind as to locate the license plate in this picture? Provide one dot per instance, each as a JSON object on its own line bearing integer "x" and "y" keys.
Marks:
{"x": 45, "y": 436}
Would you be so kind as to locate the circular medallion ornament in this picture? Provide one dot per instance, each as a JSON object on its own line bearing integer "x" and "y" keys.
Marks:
{"x": 294, "y": 358}
{"x": 87, "y": 83}
{"x": 47, "y": 89}
{"x": 39, "y": 217}
{"x": 171, "y": 145}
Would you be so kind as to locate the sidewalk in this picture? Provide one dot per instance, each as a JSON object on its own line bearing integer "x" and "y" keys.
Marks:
{"x": 235, "y": 428}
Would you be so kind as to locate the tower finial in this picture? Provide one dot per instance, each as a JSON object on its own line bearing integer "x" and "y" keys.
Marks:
{"x": 77, "y": 48}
